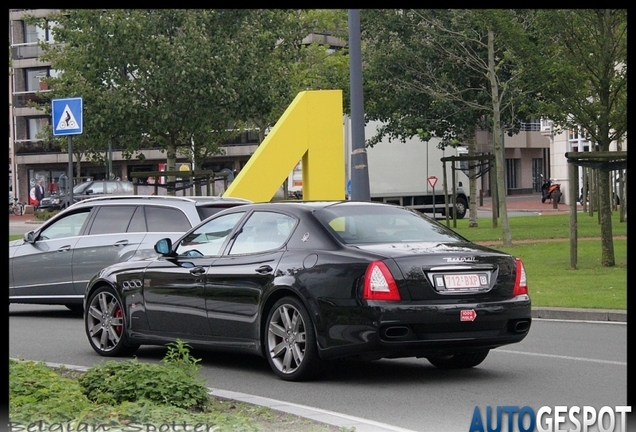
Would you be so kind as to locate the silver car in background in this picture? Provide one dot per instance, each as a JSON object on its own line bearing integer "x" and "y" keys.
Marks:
{"x": 87, "y": 189}
{"x": 53, "y": 263}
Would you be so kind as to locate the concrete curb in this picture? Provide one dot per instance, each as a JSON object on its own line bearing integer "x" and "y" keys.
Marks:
{"x": 610, "y": 315}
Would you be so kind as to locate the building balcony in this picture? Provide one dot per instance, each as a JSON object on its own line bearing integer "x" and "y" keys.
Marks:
{"x": 19, "y": 14}
{"x": 26, "y": 51}
{"x": 27, "y": 99}
{"x": 33, "y": 147}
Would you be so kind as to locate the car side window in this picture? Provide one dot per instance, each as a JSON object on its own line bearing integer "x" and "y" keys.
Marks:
{"x": 166, "y": 219}
{"x": 97, "y": 187}
{"x": 138, "y": 221}
{"x": 125, "y": 188}
{"x": 68, "y": 226}
{"x": 209, "y": 237}
{"x": 111, "y": 219}
{"x": 263, "y": 231}
{"x": 111, "y": 187}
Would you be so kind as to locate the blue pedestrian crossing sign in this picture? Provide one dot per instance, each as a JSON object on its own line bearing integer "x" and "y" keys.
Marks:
{"x": 67, "y": 116}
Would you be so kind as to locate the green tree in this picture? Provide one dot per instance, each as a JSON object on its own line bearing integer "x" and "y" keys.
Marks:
{"x": 184, "y": 80}
{"x": 582, "y": 63}
{"x": 448, "y": 72}
{"x": 168, "y": 78}
{"x": 279, "y": 65}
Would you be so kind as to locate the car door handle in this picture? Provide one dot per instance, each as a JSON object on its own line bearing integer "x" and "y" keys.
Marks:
{"x": 196, "y": 271}
{"x": 264, "y": 269}
{"x": 64, "y": 248}
{"x": 121, "y": 243}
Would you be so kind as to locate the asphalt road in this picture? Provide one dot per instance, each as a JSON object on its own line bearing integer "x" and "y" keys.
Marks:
{"x": 560, "y": 363}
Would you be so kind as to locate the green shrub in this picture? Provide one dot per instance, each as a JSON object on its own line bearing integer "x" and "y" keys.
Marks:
{"x": 46, "y": 398}
{"x": 45, "y": 215}
{"x": 173, "y": 383}
{"x": 35, "y": 390}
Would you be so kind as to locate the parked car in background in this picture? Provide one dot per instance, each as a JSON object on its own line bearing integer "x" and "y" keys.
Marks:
{"x": 87, "y": 189}
{"x": 53, "y": 263}
{"x": 303, "y": 282}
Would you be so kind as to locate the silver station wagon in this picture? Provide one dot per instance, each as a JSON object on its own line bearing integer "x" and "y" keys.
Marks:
{"x": 53, "y": 263}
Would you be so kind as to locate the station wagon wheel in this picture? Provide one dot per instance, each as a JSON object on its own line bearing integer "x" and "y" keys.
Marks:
{"x": 291, "y": 348}
{"x": 105, "y": 324}
{"x": 459, "y": 361}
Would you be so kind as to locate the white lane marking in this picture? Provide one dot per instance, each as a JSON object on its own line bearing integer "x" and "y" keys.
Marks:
{"x": 617, "y": 363}
{"x": 580, "y": 321}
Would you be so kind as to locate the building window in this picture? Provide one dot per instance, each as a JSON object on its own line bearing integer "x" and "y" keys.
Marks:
{"x": 512, "y": 173}
{"x": 537, "y": 174}
{"x": 36, "y": 33}
{"x": 36, "y": 125}
{"x": 34, "y": 79}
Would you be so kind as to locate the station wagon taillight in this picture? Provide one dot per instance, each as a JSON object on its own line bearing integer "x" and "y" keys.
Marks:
{"x": 521, "y": 283}
{"x": 379, "y": 283}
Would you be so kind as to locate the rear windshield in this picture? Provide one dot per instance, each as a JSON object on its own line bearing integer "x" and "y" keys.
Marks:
{"x": 383, "y": 224}
{"x": 206, "y": 212}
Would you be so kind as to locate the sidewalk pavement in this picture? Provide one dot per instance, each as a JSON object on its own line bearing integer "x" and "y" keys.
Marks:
{"x": 518, "y": 203}
{"x": 528, "y": 203}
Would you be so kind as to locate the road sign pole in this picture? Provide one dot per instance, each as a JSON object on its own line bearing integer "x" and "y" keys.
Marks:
{"x": 433, "y": 201}
{"x": 70, "y": 168}
{"x": 432, "y": 181}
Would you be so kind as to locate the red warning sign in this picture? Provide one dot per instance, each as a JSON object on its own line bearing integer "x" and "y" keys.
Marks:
{"x": 432, "y": 180}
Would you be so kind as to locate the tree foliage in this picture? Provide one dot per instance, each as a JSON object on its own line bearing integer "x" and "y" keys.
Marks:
{"x": 184, "y": 79}
{"x": 582, "y": 63}
{"x": 446, "y": 73}
{"x": 582, "y": 59}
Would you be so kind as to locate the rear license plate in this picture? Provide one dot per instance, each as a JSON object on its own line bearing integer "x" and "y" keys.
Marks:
{"x": 462, "y": 281}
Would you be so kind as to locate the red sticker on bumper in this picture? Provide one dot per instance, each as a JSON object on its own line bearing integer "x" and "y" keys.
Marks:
{"x": 467, "y": 315}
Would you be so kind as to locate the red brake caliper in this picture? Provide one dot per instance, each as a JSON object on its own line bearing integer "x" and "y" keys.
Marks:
{"x": 118, "y": 314}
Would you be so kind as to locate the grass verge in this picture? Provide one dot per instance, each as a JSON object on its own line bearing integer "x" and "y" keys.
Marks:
{"x": 542, "y": 243}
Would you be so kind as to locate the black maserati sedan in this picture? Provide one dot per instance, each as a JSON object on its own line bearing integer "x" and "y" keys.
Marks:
{"x": 305, "y": 283}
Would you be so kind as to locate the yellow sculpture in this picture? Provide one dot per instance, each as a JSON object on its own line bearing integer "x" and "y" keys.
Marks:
{"x": 311, "y": 129}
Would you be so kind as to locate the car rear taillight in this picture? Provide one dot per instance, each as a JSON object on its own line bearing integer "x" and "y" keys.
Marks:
{"x": 379, "y": 283}
{"x": 521, "y": 283}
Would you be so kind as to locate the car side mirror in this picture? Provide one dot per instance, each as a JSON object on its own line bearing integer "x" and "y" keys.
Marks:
{"x": 29, "y": 237}
{"x": 163, "y": 246}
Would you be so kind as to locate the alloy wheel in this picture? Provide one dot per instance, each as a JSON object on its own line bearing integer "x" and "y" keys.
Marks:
{"x": 105, "y": 324}
{"x": 286, "y": 338}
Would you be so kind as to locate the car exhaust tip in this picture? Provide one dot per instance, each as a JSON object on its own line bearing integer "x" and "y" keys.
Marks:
{"x": 520, "y": 326}
{"x": 396, "y": 332}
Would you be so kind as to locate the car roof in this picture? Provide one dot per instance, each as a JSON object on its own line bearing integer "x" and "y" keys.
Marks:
{"x": 166, "y": 198}
{"x": 145, "y": 199}
{"x": 313, "y": 205}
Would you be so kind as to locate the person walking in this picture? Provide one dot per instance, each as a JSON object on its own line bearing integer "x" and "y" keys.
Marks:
{"x": 38, "y": 193}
